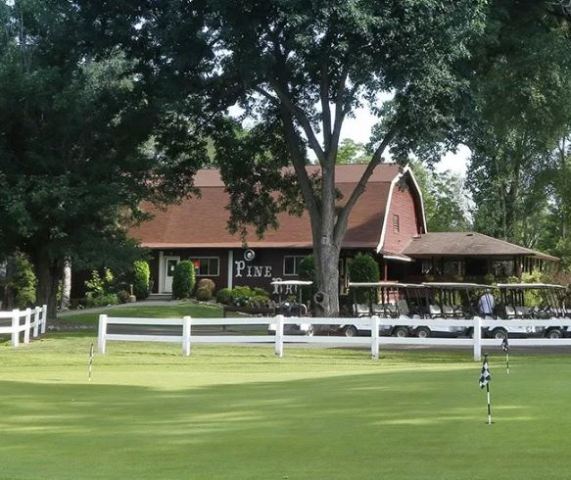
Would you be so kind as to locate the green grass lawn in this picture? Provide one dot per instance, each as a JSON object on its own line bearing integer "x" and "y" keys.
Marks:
{"x": 240, "y": 413}
{"x": 142, "y": 310}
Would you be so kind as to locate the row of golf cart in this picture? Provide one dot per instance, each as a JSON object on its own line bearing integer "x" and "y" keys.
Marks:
{"x": 454, "y": 301}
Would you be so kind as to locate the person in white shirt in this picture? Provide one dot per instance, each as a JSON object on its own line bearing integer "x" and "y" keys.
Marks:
{"x": 486, "y": 304}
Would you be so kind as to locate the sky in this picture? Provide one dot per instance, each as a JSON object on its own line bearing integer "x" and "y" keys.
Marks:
{"x": 359, "y": 130}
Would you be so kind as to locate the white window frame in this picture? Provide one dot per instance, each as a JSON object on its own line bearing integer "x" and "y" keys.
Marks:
{"x": 217, "y": 274}
{"x": 296, "y": 273}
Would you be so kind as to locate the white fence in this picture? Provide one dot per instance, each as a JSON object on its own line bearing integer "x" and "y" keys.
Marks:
{"x": 31, "y": 321}
{"x": 372, "y": 324}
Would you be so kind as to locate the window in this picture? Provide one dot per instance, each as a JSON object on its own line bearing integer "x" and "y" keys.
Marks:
{"x": 207, "y": 266}
{"x": 291, "y": 264}
{"x": 396, "y": 224}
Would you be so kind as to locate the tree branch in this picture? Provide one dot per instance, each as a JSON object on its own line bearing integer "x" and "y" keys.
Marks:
{"x": 343, "y": 216}
{"x": 302, "y": 119}
{"x": 325, "y": 109}
{"x": 299, "y": 167}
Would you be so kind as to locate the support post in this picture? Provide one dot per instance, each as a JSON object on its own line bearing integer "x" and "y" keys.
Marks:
{"x": 279, "y": 336}
{"x": 27, "y": 325}
{"x": 44, "y": 318}
{"x": 186, "y": 329}
{"x": 15, "y": 328}
{"x": 102, "y": 333}
{"x": 375, "y": 324}
{"x": 477, "y": 339}
{"x": 37, "y": 320}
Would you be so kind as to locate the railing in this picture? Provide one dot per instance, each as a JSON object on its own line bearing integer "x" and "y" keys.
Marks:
{"x": 371, "y": 324}
{"x": 32, "y": 322}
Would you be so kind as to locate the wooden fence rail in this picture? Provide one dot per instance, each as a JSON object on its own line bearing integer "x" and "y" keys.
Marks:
{"x": 374, "y": 325}
{"x": 31, "y": 322}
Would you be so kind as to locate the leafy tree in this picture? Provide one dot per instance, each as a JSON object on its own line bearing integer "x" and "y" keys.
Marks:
{"x": 445, "y": 199}
{"x": 522, "y": 86}
{"x": 351, "y": 152}
{"x": 78, "y": 142}
{"x": 298, "y": 69}
{"x": 141, "y": 278}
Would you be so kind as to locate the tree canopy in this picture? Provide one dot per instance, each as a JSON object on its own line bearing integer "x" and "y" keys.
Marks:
{"x": 78, "y": 148}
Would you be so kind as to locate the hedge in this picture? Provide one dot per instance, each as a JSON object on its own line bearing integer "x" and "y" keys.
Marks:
{"x": 183, "y": 280}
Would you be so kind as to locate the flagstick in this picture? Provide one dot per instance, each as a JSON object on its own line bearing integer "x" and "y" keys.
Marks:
{"x": 489, "y": 404}
{"x": 90, "y": 361}
{"x": 508, "y": 362}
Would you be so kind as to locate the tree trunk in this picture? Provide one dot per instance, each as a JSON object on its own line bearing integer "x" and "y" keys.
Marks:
{"x": 48, "y": 274}
{"x": 66, "y": 285}
{"x": 9, "y": 301}
{"x": 327, "y": 266}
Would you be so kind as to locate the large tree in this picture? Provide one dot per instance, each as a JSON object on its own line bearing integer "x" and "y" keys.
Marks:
{"x": 297, "y": 69}
{"x": 522, "y": 92}
{"x": 77, "y": 143}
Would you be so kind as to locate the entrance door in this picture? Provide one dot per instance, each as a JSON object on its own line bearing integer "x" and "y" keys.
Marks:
{"x": 169, "y": 265}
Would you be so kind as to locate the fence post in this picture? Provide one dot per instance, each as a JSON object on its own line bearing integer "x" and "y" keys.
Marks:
{"x": 37, "y": 311}
{"x": 279, "y": 336}
{"x": 27, "y": 325}
{"x": 44, "y": 318}
{"x": 15, "y": 328}
{"x": 101, "y": 337}
{"x": 375, "y": 337}
{"x": 477, "y": 339}
{"x": 186, "y": 326}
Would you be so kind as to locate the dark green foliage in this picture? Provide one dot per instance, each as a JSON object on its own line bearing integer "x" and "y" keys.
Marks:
{"x": 124, "y": 296}
{"x": 141, "y": 277}
{"x": 364, "y": 268}
{"x": 224, "y": 296}
{"x": 78, "y": 140}
{"x": 307, "y": 268}
{"x": 183, "y": 280}
{"x": 19, "y": 285}
{"x": 246, "y": 296}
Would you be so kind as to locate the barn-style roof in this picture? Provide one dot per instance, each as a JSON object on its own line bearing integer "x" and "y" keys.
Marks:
{"x": 466, "y": 244}
{"x": 202, "y": 221}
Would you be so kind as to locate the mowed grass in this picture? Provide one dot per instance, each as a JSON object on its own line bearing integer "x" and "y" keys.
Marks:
{"x": 241, "y": 413}
{"x": 90, "y": 318}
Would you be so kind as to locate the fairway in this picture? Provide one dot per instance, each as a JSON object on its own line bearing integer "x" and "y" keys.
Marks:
{"x": 241, "y": 413}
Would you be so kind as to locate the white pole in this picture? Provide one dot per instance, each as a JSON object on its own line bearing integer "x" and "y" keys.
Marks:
{"x": 27, "y": 325}
{"x": 15, "y": 328}
{"x": 44, "y": 318}
{"x": 279, "y": 347}
{"x": 186, "y": 330}
{"x": 477, "y": 339}
{"x": 37, "y": 311}
{"x": 375, "y": 337}
{"x": 101, "y": 340}
{"x": 489, "y": 404}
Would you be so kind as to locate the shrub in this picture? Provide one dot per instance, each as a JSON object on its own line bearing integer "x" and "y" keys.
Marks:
{"x": 141, "y": 277}
{"x": 224, "y": 296}
{"x": 124, "y": 296}
{"x": 206, "y": 283}
{"x": 203, "y": 294}
{"x": 183, "y": 280}
{"x": 101, "y": 300}
{"x": 363, "y": 268}
{"x": 20, "y": 282}
{"x": 307, "y": 268}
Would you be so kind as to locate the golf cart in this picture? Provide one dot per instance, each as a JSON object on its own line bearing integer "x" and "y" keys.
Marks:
{"x": 448, "y": 300}
{"x": 289, "y": 308}
{"x": 387, "y": 300}
{"x": 531, "y": 301}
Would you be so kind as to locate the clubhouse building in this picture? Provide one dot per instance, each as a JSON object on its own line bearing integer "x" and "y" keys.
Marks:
{"x": 388, "y": 222}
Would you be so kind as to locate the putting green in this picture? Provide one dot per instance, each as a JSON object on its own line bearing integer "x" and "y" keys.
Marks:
{"x": 240, "y": 413}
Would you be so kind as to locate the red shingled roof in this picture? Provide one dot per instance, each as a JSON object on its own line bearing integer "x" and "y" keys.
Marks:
{"x": 202, "y": 222}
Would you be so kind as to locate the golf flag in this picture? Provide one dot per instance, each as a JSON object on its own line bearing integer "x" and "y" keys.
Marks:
{"x": 91, "y": 355}
{"x": 505, "y": 344}
{"x": 485, "y": 376}
{"x": 485, "y": 379}
{"x": 506, "y": 348}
